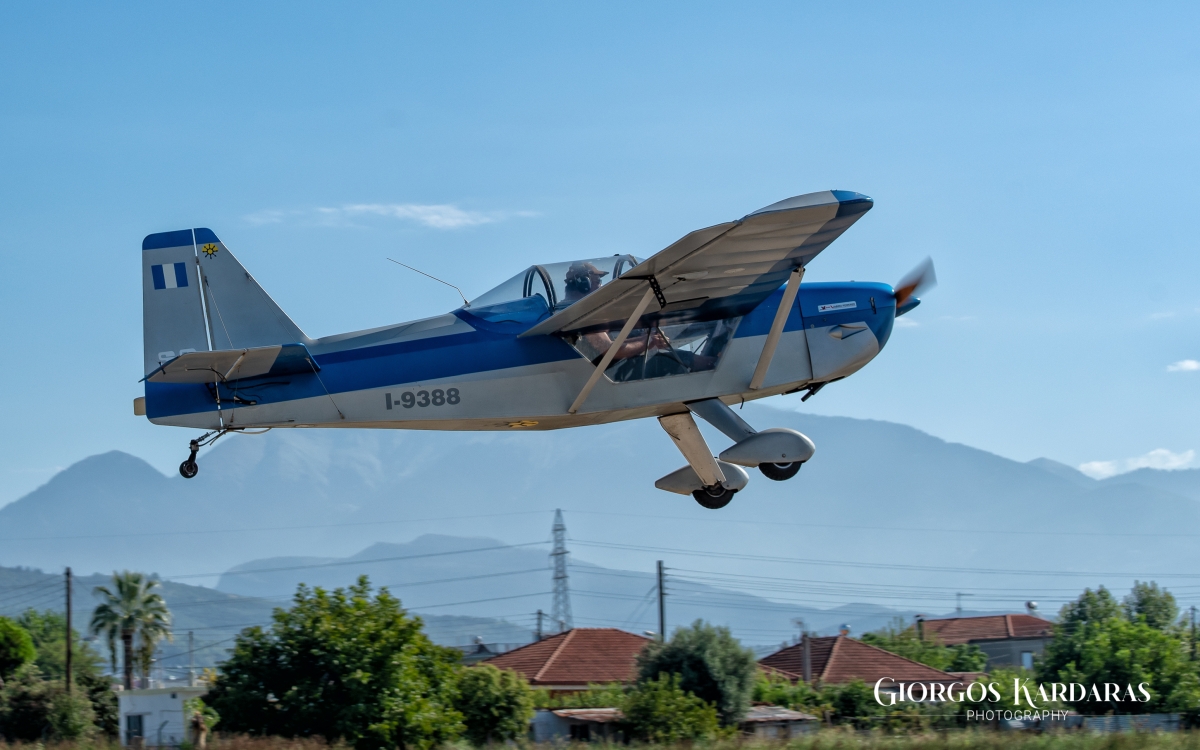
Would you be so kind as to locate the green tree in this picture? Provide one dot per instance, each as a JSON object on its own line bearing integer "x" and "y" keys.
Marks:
{"x": 342, "y": 665}
{"x": 496, "y": 705}
{"x": 130, "y": 610}
{"x": 660, "y": 711}
{"x": 711, "y": 664}
{"x": 48, "y": 630}
{"x": 16, "y": 648}
{"x": 1096, "y": 643}
{"x": 98, "y": 689}
{"x": 906, "y": 641}
{"x": 1156, "y": 605}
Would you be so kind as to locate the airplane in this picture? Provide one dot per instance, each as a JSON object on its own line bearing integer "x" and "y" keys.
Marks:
{"x": 716, "y": 319}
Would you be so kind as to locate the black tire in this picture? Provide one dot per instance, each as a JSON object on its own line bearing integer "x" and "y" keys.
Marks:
{"x": 780, "y": 472}
{"x": 713, "y": 497}
{"x": 188, "y": 469}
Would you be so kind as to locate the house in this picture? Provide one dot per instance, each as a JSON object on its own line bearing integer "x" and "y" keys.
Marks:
{"x": 776, "y": 723}
{"x": 838, "y": 659}
{"x": 154, "y": 716}
{"x": 1008, "y": 640}
{"x": 571, "y": 661}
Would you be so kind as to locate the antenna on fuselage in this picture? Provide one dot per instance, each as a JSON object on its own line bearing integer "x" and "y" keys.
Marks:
{"x": 435, "y": 278}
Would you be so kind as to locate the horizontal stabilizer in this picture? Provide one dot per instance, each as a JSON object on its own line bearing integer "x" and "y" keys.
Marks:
{"x": 236, "y": 364}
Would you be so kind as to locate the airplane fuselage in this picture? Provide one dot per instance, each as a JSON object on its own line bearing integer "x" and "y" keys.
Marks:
{"x": 460, "y": 372}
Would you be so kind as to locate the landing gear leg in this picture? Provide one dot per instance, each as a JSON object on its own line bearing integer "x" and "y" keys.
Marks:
{"x": 188, "y": 468}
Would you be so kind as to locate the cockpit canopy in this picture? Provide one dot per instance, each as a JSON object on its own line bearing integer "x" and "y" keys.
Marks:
{"x": 558, "y": 284}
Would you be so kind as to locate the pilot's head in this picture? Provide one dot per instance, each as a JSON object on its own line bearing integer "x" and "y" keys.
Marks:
{"x": 583, "y": 277}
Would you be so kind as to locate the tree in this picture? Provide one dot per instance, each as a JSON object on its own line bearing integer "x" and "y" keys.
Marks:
{"x": 711, "y": 664}
{"x": 496, "y": 705}
{"x": 1156, "y": 605}
{"x": 131, "y": 609}
{"x": 660, "y": 711}
{"x": 16, "y": 648}
{"x": 342, "y": 665}
{"x": 1095, "y": 642}
{"x": 906, "y": 641}
{"x": 48, "y": 630}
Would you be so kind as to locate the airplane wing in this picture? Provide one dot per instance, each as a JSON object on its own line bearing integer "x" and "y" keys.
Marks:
{"x": 235, "y": 364}
{"x": 722, "y": 271}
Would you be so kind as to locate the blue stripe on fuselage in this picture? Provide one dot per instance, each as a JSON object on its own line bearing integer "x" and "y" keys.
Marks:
{"x": 370, "y": 367}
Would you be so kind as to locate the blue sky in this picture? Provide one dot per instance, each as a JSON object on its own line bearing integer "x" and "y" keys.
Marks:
{"x": 1045, "y": 155}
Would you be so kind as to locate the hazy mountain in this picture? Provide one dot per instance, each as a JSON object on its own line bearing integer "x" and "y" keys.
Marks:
{"x": 460, "y": 575}
{"x": 883, "y": 514}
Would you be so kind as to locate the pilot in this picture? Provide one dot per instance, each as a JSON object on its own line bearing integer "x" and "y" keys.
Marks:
{"x": 581, "y": 279}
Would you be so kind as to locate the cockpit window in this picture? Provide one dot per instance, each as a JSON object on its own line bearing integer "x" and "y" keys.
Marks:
{"x": 559, "y": 284}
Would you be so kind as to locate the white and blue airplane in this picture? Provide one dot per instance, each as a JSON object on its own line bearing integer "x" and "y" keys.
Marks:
{"x": 718, "y": 318}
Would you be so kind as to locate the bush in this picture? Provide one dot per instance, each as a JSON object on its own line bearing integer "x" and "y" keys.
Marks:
{"x": 25, "y": 705}
{"x": 710, "y": 664}
{"x": 661, "y": 711}
{"x": 71, "y": 716}
{"x": 496, "y": 705}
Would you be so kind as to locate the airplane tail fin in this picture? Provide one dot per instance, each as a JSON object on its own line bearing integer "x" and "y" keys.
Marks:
{"x": 196, "y": 296}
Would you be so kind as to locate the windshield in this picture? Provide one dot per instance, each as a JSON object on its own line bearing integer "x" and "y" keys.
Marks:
{"x": 560, "y": 284}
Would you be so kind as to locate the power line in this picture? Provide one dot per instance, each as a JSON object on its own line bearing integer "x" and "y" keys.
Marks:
{"x": 876, "y": 566}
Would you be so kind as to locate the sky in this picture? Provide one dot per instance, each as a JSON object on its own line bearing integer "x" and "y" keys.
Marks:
{"x": 1044, "y": 155}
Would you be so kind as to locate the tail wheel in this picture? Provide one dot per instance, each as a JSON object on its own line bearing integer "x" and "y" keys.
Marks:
{"x": 780, "y": 472}
{"x": 713, "y": 497}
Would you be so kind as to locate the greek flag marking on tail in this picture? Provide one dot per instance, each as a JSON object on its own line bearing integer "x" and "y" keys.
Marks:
{"x": 169, "y": 275}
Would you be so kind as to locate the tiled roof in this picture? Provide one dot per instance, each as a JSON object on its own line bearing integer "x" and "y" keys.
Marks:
{"x": 839, "y": 659}
{"x": 576, "y": 657}
{"x": 955, "y": 630}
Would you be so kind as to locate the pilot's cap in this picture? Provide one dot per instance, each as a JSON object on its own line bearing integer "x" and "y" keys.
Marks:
{"x": 582, "y": 270}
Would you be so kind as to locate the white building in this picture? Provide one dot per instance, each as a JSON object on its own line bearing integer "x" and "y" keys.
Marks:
{"x": 154, "y": 717}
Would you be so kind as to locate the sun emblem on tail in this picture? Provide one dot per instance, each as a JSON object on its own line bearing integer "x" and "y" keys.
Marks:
{"x": 210, "y": 249}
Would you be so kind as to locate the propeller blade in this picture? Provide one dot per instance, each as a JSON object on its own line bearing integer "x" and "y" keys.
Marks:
{"x": 920, "y": 279}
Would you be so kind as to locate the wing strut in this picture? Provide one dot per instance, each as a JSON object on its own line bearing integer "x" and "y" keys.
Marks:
{"x": 606, "y": 360}
{"x": 781, "y": 314}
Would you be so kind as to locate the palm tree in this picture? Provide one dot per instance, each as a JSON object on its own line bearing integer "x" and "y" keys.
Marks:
{"x": 132, "y": 608}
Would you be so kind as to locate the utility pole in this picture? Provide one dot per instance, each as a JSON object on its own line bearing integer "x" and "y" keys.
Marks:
{"x": 67, "y": 676}
{"x": 662, "y": 603}
{"x": 191, "y": 660}
{"x": 561, "y": 611}
{"x": 540, "y": 615}
{"x": 958, "y": 602}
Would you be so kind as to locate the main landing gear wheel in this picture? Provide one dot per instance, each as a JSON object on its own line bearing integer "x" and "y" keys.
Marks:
{"x": 188, "y": 468}
{"x": 780, "y": 472}
{"x": 713, "y": 497}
